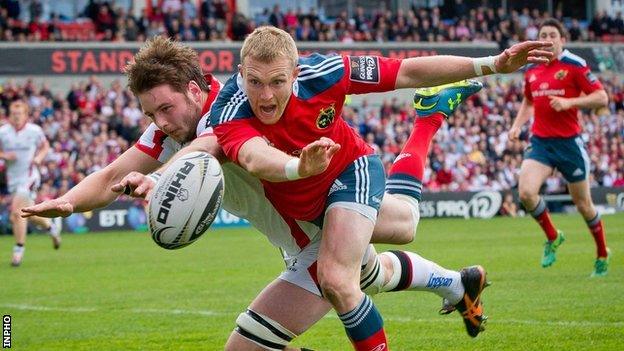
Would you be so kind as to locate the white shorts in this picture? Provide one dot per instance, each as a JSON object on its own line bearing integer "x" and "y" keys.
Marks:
{"x": 301, "y": 268}
{"x": 26, "y": 187}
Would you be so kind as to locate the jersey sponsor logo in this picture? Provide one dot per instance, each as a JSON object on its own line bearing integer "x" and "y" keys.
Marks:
{"x": 549, "y": 92}
{"x": 436, "y": 282}
{"x": 544, "y": 86}
{"x": 591, "y": 77}
{"x": 364, "y": 69}
{"x": 326, "y": 117}
{"x": 561, "y": 74}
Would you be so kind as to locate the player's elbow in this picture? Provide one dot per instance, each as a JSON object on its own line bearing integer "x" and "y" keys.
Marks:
{"x": 603, "y": 99}
{"x": 251, "y": 164}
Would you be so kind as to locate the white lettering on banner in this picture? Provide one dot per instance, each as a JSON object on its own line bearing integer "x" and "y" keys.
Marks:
{"x": 111, "y": 218}
{"x": 427, "y": 208}
{"x": 485, "y": 204}
{"x": 452, "y": 208}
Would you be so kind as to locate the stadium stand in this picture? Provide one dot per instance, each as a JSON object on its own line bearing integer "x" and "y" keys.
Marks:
{"x": 210, "y": 20}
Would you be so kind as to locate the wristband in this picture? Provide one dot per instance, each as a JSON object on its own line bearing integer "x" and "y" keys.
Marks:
{"x": 480, "y": 62}
{"x": 292, "y": 169}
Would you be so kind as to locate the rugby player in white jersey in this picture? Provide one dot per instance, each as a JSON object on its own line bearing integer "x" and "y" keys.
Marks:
{"x": 176, "y": 96}
{"x": 23, "y": 146}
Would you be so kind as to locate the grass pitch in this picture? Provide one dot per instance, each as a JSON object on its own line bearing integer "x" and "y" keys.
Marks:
{"x": 119, "y": 291}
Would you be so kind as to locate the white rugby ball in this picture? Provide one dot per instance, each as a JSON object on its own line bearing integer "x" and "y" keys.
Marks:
{"x": 186, "y": 200}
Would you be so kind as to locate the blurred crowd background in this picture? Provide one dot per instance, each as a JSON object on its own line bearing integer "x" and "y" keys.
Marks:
{"x": 192, "y": 20}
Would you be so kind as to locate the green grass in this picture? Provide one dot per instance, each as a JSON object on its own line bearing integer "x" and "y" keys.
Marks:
{"x": 119, "y": 291}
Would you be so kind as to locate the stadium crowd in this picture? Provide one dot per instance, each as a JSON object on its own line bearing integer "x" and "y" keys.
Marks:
{"x": 212, "y": 20}
{"x": 92, "y": 124}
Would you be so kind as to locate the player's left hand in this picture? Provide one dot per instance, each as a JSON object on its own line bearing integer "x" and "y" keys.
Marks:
{"x": 520, "y": 54}
{"x": 316, "y": 156}
{"x": 135, "y": 184}
{"x": 559, "y": 103}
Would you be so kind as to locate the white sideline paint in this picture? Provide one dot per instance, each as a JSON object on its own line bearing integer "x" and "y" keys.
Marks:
{"x": 400, "y": 319}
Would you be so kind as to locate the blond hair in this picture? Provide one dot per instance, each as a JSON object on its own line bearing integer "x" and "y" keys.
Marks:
{"x": 162, "y": 61}
{"x": 266, "y": 44}
{"x": 18, "y": 104}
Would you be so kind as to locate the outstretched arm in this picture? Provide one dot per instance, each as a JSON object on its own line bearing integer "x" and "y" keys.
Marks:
{"x": 95, "y": 190}
{"x": 137, "y": 184}
{"x": 435, "y": 70}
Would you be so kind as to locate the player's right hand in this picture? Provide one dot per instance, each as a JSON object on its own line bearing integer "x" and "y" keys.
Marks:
{"x": 135, "y": 184}
{"x": 50, "y": 209}
{"x": 514, "y": 133}
{"x": 316, "y": 156}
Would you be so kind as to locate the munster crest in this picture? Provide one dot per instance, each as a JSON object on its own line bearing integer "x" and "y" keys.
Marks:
{"x": 326, "y": 117}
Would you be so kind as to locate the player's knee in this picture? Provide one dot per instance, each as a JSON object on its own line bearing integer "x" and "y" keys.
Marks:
{"x": 255, "y": 331}
{"x": 334, "y": 285}
{"x": 14, "y": 217}
{"x": 527, "y": 196}
{"x": 412, "y": 222}
{"x": 585, "y": 207}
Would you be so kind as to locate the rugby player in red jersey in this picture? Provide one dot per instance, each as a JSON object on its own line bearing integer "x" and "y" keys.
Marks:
{"x": 553, "y": 93}
{"x": 280, "y": 119}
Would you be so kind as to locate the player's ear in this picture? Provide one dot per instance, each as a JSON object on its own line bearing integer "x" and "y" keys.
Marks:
{"x": 195, "y": 90}
{"x": 296, "y": 73}
{"x": 240, "y": 69}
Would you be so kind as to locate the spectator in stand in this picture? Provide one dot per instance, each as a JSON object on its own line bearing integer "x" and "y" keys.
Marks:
{"x": 509, "y": 206}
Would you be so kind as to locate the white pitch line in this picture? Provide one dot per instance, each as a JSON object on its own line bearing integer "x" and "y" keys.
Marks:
{"x": 49, "y": 309}
{"x": 401, "y": 319}
{"x": 176, "y": 311}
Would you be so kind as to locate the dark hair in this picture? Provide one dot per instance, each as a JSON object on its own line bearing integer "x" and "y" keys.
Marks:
{"x": 163, "y": 61}
{"x": 553, "y": 22}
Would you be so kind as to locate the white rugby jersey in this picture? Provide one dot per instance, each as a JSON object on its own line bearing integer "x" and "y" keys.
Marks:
{"x": 243, "y": 196}
{"x": 24, "y": 143}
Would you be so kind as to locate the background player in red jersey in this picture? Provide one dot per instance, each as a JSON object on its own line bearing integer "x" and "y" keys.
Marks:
{"x": 280, "y": 106}
{"x": 553, "y": 93}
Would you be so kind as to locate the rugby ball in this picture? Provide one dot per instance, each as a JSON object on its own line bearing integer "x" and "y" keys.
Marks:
{"x": 185, "y": 200}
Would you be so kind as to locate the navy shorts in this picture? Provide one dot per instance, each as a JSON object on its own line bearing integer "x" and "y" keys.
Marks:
{"x": 360, "y": 187}
{"x": 568, "y": 155}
